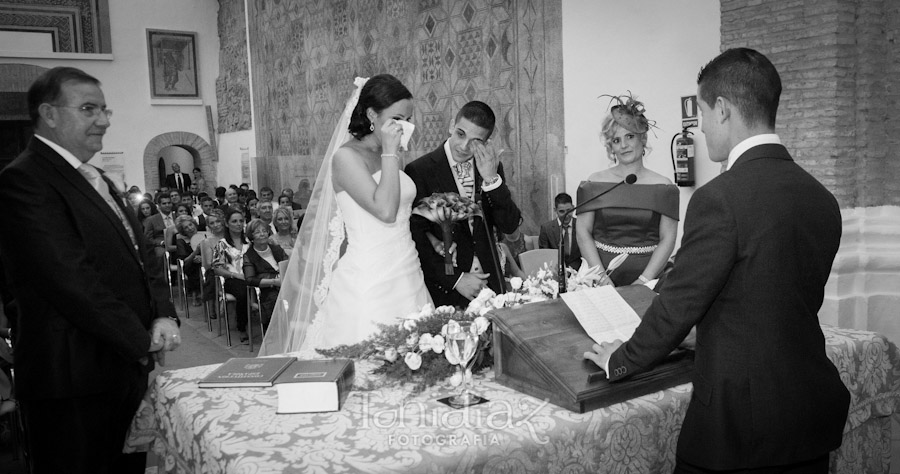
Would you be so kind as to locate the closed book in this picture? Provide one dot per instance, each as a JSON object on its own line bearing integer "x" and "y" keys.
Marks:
{"x": 314, "y": 386}
{"x": 247, "y": 372}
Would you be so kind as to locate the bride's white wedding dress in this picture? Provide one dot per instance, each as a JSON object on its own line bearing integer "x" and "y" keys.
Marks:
{"x": 377, "y": 281}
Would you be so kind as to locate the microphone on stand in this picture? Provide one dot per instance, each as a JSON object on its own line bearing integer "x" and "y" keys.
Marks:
{"x": 561, "y": 265}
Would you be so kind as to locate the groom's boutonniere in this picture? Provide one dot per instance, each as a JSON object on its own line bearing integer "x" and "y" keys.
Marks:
{"x": 444, "y": 209}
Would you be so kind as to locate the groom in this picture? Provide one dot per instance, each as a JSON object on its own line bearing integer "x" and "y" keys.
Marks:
{"x": 464, "y": 165}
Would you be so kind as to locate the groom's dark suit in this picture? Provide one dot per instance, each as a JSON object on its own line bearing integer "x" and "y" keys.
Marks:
{"x": 432, "y": 174}
{"x": 758, "y": 245}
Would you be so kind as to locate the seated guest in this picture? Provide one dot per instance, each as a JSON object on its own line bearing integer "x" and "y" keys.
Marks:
{"x": 285, "y": 234}
{"x": 515, "y": 242}
{"x": 155, "y": 225}
{"x": 261, "y": 268}
{"x": 508, "y": 263}
{"x": 231, "y": 201}
{"x": 186, "y": 228}
{"x": 206, "y": 206}
{"x": 227, "y": 262}
{"x": 215, "y": 229}
{"x": 295, "y": 206}
{"x": 252, "y": 209}
{"x": 266, "y": 214}
{"x": 146, "y": 209}
{"x": 550, "y": 231}
{"x": 220, "y": 196}
{"x": 640, "y": 219}
{"x": 284, "y": 201}
{"x": 267, "y": 195}
{"x": 176, "y": 197}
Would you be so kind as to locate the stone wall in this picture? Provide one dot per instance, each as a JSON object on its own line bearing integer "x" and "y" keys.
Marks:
{"x": 840, "y": 68}
{"x": 305, "y": 55}
{"x": 233, "y": 82}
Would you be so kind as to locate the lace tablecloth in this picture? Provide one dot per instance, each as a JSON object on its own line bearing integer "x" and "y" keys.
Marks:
{"x": 389, "y": 430}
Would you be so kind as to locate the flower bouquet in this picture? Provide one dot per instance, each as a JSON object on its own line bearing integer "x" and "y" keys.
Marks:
{"x": 445, "y": 209}
{"x": 416, "y": 348}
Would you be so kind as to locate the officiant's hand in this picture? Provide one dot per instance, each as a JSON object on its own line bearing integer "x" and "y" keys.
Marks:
{"x": 487, "y": 158}
{"x": 470, "y": 284}
{"x": 602, "y": 353}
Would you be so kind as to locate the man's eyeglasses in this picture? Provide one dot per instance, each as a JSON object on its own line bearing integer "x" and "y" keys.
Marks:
{"x": 90, "y": 110}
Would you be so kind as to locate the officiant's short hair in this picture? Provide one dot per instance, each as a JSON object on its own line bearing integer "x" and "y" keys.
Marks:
{"x": 478, "y": 113}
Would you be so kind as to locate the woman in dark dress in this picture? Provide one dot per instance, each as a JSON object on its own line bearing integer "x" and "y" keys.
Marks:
{"x": 261, "y": 268}
{"x": 640, "y": 219}
{"x": 186, "y": 228}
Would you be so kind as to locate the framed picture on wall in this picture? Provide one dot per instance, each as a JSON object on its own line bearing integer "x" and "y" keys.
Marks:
{"x": 173, "y": 64}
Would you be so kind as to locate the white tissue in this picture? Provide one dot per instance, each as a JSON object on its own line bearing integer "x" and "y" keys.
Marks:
{"x": 407, "y": 133}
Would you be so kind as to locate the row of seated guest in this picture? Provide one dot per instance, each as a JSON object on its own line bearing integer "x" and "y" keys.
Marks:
{"x": 260, "y": 267}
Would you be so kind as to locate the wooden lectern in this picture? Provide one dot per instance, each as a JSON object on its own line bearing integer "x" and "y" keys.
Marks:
{"x": 538, "y": 350}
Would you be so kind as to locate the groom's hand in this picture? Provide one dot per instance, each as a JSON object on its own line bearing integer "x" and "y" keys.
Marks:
{"x": 470, "y": 284}
{"x": 487, "y": 158}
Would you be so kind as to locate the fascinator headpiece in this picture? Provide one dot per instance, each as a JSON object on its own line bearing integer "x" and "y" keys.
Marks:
{"x": 628, "y": 113}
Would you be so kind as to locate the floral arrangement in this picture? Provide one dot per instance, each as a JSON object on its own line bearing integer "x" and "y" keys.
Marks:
{"x": 445, "y": 209}
{"x": 419, "y": 341}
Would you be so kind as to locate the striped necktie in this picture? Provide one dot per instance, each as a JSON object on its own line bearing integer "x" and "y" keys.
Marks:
{"x": 96, "y": 180}
{"x": 464, "y": 174}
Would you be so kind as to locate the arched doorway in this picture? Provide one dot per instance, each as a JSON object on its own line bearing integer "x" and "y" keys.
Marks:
{"x": 184, "y": 148}
{"x": 15, "y": 124}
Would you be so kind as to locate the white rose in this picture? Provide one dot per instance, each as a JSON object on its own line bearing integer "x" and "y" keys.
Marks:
{"x": 516, "y": 283}
{"x": 480, "y": 324}
{"x": 390, "y": 354}
{"x": 437, "y": 344}
{"x": 426, "y": 311}
{"x": 456, "y": 379}
{"x": 409, "y": 324}
{"x": 425, "y": 341}
{"x": 413, "y": 360}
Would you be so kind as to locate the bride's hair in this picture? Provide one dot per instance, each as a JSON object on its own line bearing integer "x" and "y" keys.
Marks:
{"x": 379, "y": 93}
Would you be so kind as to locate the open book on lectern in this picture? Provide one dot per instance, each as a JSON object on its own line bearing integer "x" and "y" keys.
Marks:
{"x": 539, "y": 348}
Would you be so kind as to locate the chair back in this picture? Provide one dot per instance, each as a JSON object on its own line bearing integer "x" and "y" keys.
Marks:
{"x": 282, "y": 268}
{"x": 531, "y": 242}
{"x": 205, "y": 254}
{"x": 200, "y": 236}
{"x": 534, "y": 260}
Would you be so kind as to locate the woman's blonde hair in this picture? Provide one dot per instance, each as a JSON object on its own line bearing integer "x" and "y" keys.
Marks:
{"x": 608, "y": 129}
{"x": 287, "y": 213}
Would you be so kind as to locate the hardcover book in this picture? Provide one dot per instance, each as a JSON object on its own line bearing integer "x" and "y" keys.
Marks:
{"x": 247, "y": 372}
{"x": 314, "y": 386}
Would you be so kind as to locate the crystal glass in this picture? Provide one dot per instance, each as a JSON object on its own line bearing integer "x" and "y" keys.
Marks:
{"x": 461, "y": 344}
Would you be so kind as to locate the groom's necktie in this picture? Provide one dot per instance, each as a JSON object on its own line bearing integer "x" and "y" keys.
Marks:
{"x": 466, "y": 177}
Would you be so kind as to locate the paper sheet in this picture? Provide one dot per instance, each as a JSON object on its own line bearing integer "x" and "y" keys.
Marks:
{"x": 603, "y": 313}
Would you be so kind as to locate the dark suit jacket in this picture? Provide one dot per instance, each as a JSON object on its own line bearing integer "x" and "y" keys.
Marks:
{"x": 432, "y": 174}
{"x": 549, "y": 239}
{"x": 155, "y": 229}
{"x": 758, "y": 245}
{"x": 201, "y": 222}
{"x": 87, "y": 297}
{"x": 185, "y": 181}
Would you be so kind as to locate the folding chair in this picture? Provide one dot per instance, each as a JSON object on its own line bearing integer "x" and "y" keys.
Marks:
{"x": 534, "y": 260}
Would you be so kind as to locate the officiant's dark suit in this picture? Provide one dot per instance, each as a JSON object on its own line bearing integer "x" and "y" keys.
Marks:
{"x": 87, "y": 307}
{"x": 759, "y": 241}
{"x": 432, "y": 174}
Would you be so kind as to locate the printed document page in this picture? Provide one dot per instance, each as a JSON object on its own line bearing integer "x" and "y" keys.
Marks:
{"x": 603, "y": 313}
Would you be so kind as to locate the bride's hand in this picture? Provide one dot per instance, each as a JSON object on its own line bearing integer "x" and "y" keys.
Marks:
{"x": 390, "y": 137}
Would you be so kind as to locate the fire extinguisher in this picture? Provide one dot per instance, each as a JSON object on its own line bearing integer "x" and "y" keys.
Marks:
{"x": 683, "y": 158}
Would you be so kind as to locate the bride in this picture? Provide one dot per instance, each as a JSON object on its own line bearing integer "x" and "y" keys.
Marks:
{"x": 328, "y": 299}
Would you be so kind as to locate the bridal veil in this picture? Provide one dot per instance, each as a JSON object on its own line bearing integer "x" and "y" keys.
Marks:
{"x": 316, "y": 251}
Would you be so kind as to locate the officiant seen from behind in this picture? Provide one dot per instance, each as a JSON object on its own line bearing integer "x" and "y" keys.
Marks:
{"x": 639, "y": 219}
{"x": 759, "y": 241}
